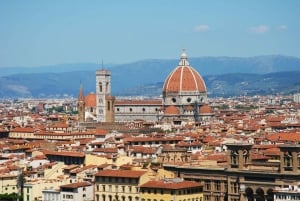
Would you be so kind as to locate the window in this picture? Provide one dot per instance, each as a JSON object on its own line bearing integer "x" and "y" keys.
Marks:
{"x": 207, "y": 184}
{"x": 100, "y": 86}
{"x": 218, "y": 185}
{"x": 118, "y": 109}
{"x": 130, "y": 109}
{"x": 188, "y": 100}
{"x": 144, "y": 109}
{"x": 174, "y": 100}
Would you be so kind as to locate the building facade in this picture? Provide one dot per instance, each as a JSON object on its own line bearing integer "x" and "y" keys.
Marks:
{"x": 244, "y": 179}
{"x": 119, "y": 185}
{"x": 171, "y": 189}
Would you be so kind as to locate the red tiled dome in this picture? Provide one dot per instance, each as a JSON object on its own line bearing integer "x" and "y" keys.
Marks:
{"x": 171, "y": 110}
{"x": 205, "y": 109}
{"x": 90, "y": 100}
{"x": 184, "y": 78}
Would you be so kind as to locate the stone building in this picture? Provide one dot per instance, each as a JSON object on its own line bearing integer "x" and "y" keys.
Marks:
{"x": 244, "y": 178}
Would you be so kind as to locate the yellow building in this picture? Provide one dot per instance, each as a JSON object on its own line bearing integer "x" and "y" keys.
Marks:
{"x": 171, "y": 190}
{"x": 91, "y": 159}
{"x": 119, "y": 185}
{"x": 8, "y": 184}
{"x": 33, "y": 189}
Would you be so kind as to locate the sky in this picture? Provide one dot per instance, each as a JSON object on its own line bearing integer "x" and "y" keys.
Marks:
{"x": 37, "y": 33}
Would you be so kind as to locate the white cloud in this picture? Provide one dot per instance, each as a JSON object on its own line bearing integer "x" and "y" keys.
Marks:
{"x": 260, "y": 29}
{"x": 201, "y": 28}
{"x": 282, "y": 27}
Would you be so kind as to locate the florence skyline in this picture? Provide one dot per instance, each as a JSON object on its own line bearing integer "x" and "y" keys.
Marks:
{"x": 37, "y": 33}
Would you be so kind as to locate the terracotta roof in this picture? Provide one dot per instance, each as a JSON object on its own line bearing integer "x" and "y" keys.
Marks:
{"x": 162, "y": 184}
{"x": 77, "y": 170}
{"x": 63, "y": 153}
{"x": 120, "y": 173}
{"x": 101, "y": 131}
{"x": 284, "y": 137}
{"x": 272, "y": 152}
{"x": 171, "y": 110}
{"x": 24, "y": 130}
{"x": 205, "y": 109}
{"x": 144, "y": 150}
{"x": 106, "y": 150}
{"x": 76, "y": 185}
{"x": 90, "y": 100}
{"x": 151, "y": 139}
{"x": 59, "y": 125}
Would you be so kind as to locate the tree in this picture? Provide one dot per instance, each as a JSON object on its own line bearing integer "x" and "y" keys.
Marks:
{"x": 10, "y": 197}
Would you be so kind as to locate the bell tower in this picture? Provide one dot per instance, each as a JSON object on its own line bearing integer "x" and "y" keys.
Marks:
{"x": 81, "y": 105}
{"x": 103, "y": 90}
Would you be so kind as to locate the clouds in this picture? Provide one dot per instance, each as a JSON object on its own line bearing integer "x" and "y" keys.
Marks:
{"x": 259, "y": 29}
{"x": 282, "y": 27}
{"x": 201, "y": 28}
{"x": 262, "y": 29}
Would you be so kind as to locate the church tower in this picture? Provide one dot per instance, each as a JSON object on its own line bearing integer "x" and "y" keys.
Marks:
{"x": 81, "y": 105}
{"x": 104, "y": 101}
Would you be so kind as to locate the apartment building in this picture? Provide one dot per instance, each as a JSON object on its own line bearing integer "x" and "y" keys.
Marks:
{"x": 120, "y": 185}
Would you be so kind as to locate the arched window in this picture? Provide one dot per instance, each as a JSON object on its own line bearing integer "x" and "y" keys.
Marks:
{"x": 260, "y": 195}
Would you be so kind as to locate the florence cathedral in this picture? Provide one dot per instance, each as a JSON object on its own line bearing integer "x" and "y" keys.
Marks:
{"x": 184, "y": 99}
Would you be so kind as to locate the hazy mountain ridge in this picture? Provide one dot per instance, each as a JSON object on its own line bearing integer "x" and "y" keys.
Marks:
{"x": 224, "y": 76}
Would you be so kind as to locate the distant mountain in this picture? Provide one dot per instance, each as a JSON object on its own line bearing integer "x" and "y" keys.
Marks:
{"x": 224, "y": 76}
{"x": 236, "y": 84}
